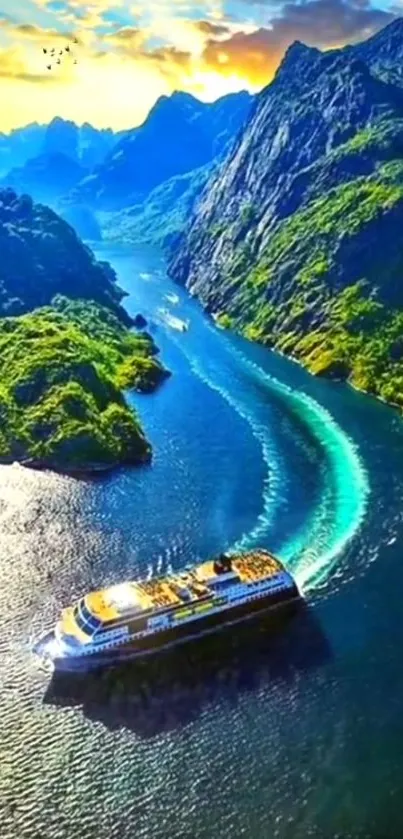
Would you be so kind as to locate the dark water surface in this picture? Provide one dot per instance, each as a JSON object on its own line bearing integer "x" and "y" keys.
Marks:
{"x": 253, "y": 734}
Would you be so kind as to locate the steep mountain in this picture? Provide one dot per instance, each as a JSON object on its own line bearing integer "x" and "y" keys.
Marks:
{"x": 42, "y": 256}
{"x": 61, "y": 137}
{"x": 64, "y": 366}
{"x": 45, "y": 177}
{"x": 296, "y": 240}
{"x": 86, "y": 145}
{"x": 94, "y": 144}
{"x": 179, "y": 134}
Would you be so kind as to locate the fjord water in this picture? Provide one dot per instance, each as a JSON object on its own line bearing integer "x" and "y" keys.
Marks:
{"x": 255, "y": 733}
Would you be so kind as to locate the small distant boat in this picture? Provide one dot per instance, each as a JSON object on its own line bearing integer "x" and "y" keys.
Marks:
{"x": 172, "y": 298}
{"x": 174, "y": 322}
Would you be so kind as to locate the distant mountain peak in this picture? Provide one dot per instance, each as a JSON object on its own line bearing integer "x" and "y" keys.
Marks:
{"x": 177, "y": 99}
{"x": 299, "y": 48}
{"x": 183, "y": 96}
{"x": 296, "y": 59}
{"x": 180, "y": 134}
{"x": 297, "y": 51}
{"x": 56, "y": 121}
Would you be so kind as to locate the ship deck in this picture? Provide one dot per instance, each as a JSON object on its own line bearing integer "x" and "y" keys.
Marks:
{"x": 133, "y": 598}
{"x": 256, "y": 566}
{"x": 250, "y": 567}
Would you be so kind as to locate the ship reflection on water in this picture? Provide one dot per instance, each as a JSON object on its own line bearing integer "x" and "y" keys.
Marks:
{"x": 168, "y": 690}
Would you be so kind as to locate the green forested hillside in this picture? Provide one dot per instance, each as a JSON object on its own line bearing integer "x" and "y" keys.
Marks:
{"x": 64, "y": 366}
{"x": 297, "y": 239}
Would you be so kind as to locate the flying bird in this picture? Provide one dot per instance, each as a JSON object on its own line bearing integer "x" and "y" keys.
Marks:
{"x": 67, "y": 49}
{"x": 75, "y": 41}
{"x": 58, "y": 61}
{"x": 45, "y": 50}
{"x": 49, "y": 66}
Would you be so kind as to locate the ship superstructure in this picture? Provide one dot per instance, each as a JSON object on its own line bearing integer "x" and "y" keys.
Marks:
{"x": 143, "y": 615}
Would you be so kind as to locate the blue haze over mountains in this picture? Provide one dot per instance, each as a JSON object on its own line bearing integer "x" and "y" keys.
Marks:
{"x": 159, "y": 169}
{"x": 87, "y": 167}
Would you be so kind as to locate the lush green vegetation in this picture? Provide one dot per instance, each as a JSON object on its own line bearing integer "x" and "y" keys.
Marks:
{"x": 62, "y": 371}
{"x": 323, "y": 292}
{"x": 224, "y": 320}
{"x": 297, "y": 241}
{"x": 363, "y": 340}
{"x": 65, "y": 361}
{"x": 384, "y": 137}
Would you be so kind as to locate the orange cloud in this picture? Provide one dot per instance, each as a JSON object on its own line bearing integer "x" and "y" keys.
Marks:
{"x": 208, "y": 57}
{"x": 256, "y": 55}
{"x": 253, "y": 57}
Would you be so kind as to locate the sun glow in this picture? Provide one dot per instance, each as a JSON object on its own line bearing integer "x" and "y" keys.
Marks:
{"x": 210, "y": 85}
{"x": 105, "y": 91}
{"x": 130, "y": 54}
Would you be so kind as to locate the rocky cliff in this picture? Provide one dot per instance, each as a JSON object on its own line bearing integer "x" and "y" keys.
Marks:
{"x": 296, "y": 240}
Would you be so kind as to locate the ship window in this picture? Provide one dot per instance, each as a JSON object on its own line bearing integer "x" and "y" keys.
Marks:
{"x": 79, "y": 620}
{"x": 86, "y": 621}
{"x": 88, "y": 617}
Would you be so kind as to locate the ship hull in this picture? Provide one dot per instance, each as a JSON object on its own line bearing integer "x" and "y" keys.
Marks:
{"x": 283, "y": 602}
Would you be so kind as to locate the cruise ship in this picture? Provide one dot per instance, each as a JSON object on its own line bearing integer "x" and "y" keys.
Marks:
{"x": 135, "y": 618}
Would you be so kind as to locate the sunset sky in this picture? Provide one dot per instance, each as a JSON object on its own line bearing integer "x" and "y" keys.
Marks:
{"x": 129, "y": 52}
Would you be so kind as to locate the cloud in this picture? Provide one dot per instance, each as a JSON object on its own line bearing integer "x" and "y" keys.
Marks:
{"x": 155, "y": 46}
{"x": 173, "y": 64}
{"x": 87, "y": 14}
{"x": 127, "y": 39}
{"x": 13, "y": 68}
{"x": 126, "y": 33}
{"x": 212, "y": 30}
{"x": 31, "y": 32}
{"x": 321, "y": 23}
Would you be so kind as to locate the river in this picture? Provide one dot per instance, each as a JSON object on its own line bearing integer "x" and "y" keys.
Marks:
{"x": 292, "y": 734}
